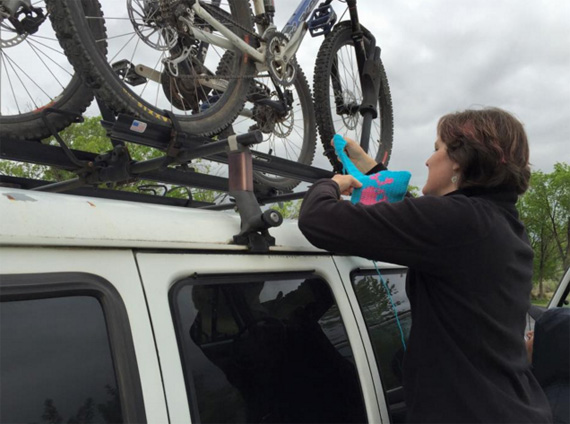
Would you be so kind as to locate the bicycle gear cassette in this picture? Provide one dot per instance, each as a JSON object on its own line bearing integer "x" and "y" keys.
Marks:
{"x": 281, "y": 67}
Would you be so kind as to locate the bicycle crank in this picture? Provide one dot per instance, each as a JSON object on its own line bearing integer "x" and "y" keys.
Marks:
{"x": 281, "y": 67}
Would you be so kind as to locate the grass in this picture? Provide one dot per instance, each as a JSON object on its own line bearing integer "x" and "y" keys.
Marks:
{"x": 541, "y": 302}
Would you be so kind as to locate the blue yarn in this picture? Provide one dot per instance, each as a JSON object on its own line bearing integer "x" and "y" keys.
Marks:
{"x": 393, "y": 306}
{"x": 384, "y": 186}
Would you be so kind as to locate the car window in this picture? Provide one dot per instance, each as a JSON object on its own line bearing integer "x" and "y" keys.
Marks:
{"x": 265, "y": 349}
{"x": 55, "y": 362}
{"x": 381, "y": 320}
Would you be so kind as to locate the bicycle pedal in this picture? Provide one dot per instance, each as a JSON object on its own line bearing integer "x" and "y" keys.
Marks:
{"x": 322, "y": 20}
{"x": 126, "y": 70}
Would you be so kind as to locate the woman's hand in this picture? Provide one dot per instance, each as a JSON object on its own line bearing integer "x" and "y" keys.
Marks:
{"x": 358, "y": 156}
{"x": 346, "y": 183}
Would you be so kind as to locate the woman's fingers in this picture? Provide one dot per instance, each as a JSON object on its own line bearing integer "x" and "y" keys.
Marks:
{"x": 346, "y": 183}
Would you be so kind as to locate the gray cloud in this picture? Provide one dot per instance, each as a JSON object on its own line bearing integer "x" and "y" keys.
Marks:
{"x": 446, "y": 55}
{"x": 443, "y": 56}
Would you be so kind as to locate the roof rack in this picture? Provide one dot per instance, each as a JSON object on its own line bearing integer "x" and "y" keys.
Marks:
{"x": 180, "y": 148}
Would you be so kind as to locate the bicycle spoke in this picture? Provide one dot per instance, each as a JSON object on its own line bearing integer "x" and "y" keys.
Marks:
{"x": 135, "y": 50}
{"x": 154, "y": 68}
{"x": 44, "y": 45}
{"x": 157, "y": 92}
{"x": 29, "y": 77}
{"x": 7, "y": 27}
{"x": 54, "y": 39}
{"x": 10, "y": 82}
{"x": 36, "y": 49}
{"x": 10, "y": 62}
{"x": 122, "y": 48}
{"x": 132, "y": 34}
{"x": 47, "y": 67}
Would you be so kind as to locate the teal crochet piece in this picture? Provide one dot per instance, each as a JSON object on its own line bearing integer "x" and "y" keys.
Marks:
{"x": 384, "y": 186}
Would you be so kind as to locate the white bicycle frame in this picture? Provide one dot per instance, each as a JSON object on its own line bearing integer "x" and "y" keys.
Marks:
{"x": 233, "y": 42}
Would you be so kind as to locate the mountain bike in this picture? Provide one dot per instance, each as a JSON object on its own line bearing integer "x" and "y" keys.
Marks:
{"x": 216, "y": 64}
{"x": 30, "y": 53}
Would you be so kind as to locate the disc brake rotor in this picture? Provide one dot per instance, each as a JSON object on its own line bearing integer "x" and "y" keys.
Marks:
{"x": 15, "y": 29}
{"x": 151, "y": 24}
{"x": 350, "y": 120}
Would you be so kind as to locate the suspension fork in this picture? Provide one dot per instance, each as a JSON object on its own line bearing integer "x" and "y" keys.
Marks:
{"x": 367, "y": 58}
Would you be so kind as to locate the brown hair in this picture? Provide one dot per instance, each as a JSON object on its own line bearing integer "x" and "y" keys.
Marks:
{"x": 490, "y": 146}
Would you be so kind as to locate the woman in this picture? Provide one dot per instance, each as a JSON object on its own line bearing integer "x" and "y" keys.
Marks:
{"x": 470, "y": 268}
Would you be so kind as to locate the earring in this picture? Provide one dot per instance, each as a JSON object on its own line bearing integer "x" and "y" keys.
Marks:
{"x": 454, "y": 179}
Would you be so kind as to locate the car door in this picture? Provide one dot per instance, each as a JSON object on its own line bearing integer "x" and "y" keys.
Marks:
{"x": 382, "y": 310}
{"x": 561, "y": 296}
{"x": 76, "y": 341}
{"x": 245, "y": 337}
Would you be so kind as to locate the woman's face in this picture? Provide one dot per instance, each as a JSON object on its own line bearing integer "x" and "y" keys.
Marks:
{"x": 440, "y": 171}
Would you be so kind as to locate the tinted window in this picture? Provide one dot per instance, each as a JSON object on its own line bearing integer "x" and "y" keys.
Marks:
{"x": 265, "y": 350}
{"x": 381, "y": 320}
{"x": 56, "y": 362}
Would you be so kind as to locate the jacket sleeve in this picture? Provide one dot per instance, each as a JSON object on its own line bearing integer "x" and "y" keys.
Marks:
{"x": 416, "y": 232}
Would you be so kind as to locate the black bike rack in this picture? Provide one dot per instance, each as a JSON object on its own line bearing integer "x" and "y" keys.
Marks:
{"x": 180, "y": 148}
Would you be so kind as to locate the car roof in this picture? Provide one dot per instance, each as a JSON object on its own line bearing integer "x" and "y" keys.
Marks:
{"x": 35, "y": 218}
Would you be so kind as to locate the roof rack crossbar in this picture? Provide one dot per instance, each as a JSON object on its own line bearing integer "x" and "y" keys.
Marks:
{"x": 103, "y": 193}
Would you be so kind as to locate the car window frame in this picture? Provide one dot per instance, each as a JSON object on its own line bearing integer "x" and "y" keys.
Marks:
{"x": 237, "y": 278}
{"x": 34, "y": 286}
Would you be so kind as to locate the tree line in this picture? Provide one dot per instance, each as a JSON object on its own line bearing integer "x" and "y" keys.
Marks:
{"x": 545, "y": 211}
{"x": 544, "y": 208}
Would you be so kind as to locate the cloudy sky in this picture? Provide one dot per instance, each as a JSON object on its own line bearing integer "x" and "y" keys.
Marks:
{"x": 447, "y": 55}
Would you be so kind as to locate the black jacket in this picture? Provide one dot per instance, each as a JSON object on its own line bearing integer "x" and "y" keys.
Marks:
{"x": 469, "y": 282}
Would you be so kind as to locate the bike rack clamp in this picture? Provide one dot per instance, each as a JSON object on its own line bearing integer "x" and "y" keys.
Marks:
{"x": 254, "y": 223}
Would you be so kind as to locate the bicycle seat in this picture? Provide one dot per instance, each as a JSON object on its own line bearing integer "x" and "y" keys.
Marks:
{"x": 383, "y": 186}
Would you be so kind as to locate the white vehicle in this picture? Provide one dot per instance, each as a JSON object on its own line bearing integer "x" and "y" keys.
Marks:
{"x": 561, "y": 297}
{"x": 115, "y": 311}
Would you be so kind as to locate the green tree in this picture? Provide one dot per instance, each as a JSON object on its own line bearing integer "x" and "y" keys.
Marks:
{"x": 288, "y": 209}
{"x": 51, "y": 415}
{"x": 414, "y": 190}
{"x": 545, "y": 211}
{"x": 90, "y": 136}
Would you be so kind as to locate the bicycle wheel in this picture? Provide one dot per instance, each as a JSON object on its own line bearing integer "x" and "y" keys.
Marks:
{"x": 148, "y": 63}
{"x": 34, "y": 75}
{"x": 338, "y": 96}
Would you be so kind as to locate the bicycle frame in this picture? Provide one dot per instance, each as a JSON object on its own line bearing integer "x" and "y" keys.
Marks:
{"x": 296, "y": 29}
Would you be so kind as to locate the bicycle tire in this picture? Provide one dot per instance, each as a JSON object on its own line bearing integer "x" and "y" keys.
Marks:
{"x": 89, "y": 59}
{"x": 74, "y": 96}
{"x": 380, "y": 147}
